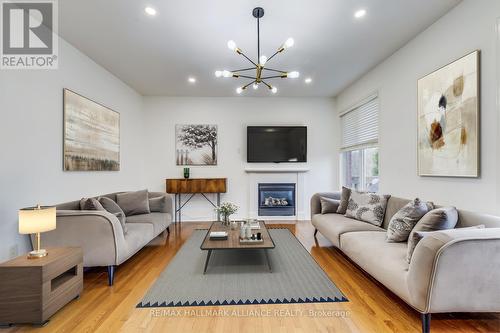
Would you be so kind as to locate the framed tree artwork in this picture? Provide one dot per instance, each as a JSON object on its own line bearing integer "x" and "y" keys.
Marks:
{"x": 448, "y": 120}
{"x": 196, "y": 144}
{"x": 91, "y": 135}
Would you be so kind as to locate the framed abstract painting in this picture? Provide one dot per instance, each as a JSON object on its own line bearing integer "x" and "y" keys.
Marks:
{"x": 91, "y": 135}
{"x": 448, "y": 120}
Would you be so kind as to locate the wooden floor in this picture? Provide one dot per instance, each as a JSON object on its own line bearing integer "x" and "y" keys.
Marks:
{"x": 371, "y": 307}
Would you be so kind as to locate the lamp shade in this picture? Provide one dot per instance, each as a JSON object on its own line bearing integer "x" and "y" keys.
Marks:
{"x": 37, "y": 219}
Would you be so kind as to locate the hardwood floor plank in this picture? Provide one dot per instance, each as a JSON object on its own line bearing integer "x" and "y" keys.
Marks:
{"x": 371, "y": 307}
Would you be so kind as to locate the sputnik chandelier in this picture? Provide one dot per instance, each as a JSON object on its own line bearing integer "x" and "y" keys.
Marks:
{"x": 259, "y": 66}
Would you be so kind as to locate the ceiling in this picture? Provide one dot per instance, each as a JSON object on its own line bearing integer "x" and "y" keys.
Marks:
{"x": 155, "y": 55}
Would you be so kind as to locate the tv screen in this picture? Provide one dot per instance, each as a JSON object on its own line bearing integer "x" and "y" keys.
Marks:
{"x": 276, "y": 144}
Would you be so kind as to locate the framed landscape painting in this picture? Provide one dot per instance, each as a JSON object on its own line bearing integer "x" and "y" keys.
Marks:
{"x": 196, "y": 144}
{"x": 448, "y": 120}
{"x": 91, "y": 135}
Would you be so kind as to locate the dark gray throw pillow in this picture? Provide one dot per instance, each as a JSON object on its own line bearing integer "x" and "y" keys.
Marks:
{"x": 402, "y": 223}
{"x": 344, "y": 200}
{"x": 329, "y": 205}
{"x": 113, "y": 208}
{"x": 90, "y": 204}
{"x": 133, "y": 203}
{"x": 157, "y": 204}
{"x": 437, "y": 219}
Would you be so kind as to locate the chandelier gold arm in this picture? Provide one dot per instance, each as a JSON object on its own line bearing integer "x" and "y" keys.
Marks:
{"x": 268, "y": 85}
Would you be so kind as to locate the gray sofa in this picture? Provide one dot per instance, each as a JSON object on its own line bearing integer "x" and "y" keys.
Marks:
{"x": 448, "y": 272}
{"x": 101, "y": 235}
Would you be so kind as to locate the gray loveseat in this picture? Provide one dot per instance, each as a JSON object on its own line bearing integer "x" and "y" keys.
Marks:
{"x": 458, "y": 272}
{"x": 101, "y": 235}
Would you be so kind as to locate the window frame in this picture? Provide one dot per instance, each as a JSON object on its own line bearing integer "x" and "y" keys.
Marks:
{"x": 362, "y": 173}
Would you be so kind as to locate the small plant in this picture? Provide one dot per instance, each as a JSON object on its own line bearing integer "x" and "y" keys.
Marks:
{"x": 226, "y": 209}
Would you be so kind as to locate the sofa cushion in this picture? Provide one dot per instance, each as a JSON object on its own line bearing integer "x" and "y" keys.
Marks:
{"x": 113, "y": 208}
{"x": 332, "y": 226}
{"x": 344, "y": 200}
{"x": 386, "y": 262}
{"x": 437, "y": 219}
{"x": 328, "y": 205}
{"x": 133, "y": 203}
{"x": 160, "y": 221}
{"x": 367, "y": 207}
{"x": 138, "y": 235}
{"x": 405, "y": 219}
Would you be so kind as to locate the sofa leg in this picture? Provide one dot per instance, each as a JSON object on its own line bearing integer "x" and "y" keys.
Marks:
{"x": 426, "y": 322}
{"x": 111, "y": 275}
{"x": 168, "y": 229}
{"x": 315, "y": 232}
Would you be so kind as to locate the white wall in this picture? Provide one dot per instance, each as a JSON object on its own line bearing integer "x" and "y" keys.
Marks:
{"x": 31, "y": 136}
{"x": 469, "y": 26}
{"x": 232, "y": 115}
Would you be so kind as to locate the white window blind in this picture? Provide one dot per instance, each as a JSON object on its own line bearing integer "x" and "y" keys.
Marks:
{"x": 359, "y": 126}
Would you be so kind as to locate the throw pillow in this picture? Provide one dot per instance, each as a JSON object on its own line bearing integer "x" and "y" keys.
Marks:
{"x": 367, "y": 207}
{"x": 437, "y": 219}
{"x": 344, "y": 200}
{"x": 157, "y": 204}
{"x": 113, "y": 208}
{"x": 329, "y": 205}
{"x": 405, "y": 219}
{"x": 90, "y": 204}
{"x": 419, "y": 235}
{"x": 133, "y": 203}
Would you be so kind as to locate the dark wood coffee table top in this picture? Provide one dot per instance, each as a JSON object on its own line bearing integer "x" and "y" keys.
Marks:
{"x": 233, "y": 239}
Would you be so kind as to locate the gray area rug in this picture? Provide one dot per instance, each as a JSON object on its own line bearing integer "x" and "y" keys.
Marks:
{"x": 238, "y": 277}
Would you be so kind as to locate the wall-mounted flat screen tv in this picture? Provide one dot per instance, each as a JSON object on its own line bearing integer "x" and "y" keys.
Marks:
{"x": 276, "y": 144}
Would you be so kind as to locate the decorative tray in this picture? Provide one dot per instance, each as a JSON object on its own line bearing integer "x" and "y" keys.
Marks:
{"x": 251, "y": 241}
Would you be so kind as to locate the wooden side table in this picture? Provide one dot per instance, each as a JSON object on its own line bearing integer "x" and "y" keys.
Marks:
{"x": 32, "y": 290}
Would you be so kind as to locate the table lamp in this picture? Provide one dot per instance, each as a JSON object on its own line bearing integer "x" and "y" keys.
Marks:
{"x": 34, "y": 220}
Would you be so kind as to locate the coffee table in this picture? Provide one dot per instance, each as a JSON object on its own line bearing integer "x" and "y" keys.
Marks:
{"x": 233, "y": 242}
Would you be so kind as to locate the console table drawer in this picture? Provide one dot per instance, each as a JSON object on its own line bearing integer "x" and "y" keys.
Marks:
{"x": 196, "y": 185}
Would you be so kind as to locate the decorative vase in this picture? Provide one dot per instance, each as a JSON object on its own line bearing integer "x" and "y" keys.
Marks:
{"x": 225, "y": 220}
{"x": 234, "y": 225}
{"x": 248, "y": 231}
{"x": 242, "y": 231}
{"x": 186, "y": 173}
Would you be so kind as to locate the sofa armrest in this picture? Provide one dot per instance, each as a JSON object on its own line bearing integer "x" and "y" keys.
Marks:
{"x": 316, "y": 203}
{"x": 456, "y": 271}
{"x": 98, "y": 233}
{"x": 164, "y": 205}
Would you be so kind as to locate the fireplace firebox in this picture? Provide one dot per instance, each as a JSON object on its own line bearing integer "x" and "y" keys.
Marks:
{"x": 276, "y": 199}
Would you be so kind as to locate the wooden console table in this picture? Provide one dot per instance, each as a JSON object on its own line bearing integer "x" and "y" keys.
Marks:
{"x": 193, "y": 186}
{"x": 32, "y": 290}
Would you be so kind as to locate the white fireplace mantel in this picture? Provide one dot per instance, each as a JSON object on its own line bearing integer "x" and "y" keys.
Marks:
{"x": 276, "y": 169}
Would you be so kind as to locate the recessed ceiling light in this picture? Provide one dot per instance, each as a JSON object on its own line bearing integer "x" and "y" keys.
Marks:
{"x": 360, "y": 13}
{"x": 191, "y": 79}
{"x": 308, "y": 80}
{"x": 150, "y": 11}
